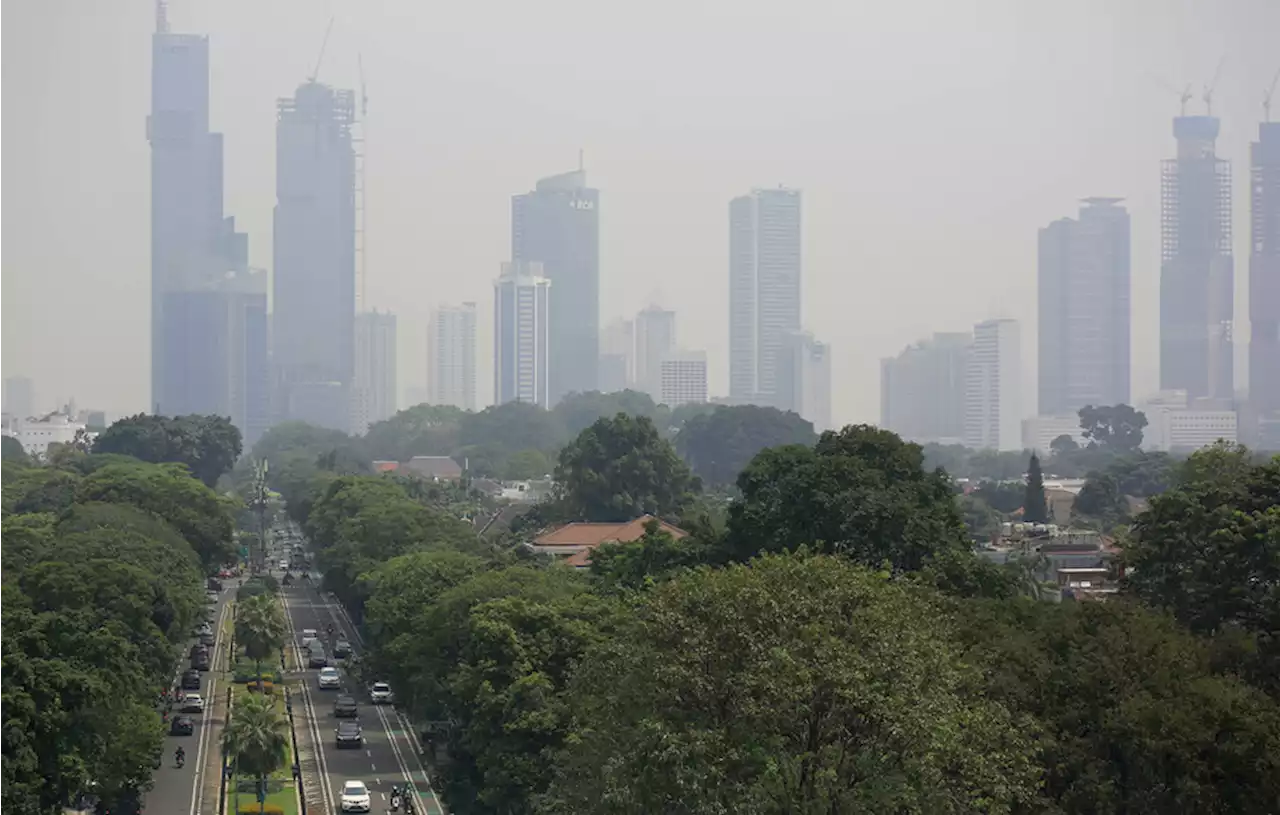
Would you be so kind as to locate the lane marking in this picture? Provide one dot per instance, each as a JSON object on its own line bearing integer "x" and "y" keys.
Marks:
{"x": 313, "y": 726}
{"x": 206, "y": 720}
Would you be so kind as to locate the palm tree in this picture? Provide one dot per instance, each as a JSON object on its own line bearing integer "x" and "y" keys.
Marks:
{"x": 257, "y": 740}
{"x": 261, "y": 629}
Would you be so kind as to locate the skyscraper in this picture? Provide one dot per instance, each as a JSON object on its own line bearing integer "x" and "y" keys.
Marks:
{"x": 923, "y": 389}
{"x": 1264, "y": 273}
{"x": 451, "y": 366}
{"x": 804, "y": 379}
{"x": 558, "y": 226}
{"x": 993, "y": 417}
{"x": 764, "y": 288}
{"x": 655, "y": 339}
{"x": 18, "y": 400}
{"x": 374, "y": 390}
{"x": 1084, "y": 309}
{"x": 617, "y": 356}
{"x": 314, "y": 304}
{"x": 1196, "y": 276}
{"x": 683, "y": 378}
{"x": 522, "y": 314}
{"x": 193, "y": 247}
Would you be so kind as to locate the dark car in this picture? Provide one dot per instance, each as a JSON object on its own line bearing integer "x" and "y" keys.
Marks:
{"x": 345, "y": 707}
{"x": 191, "y": 680}
{"x": 207, "y": 638}
{"x": 350, "y": 735}
{"x": 214, "y": 584}
{"x": 342, "y": 649}
{"x": 198, "y": 649}
{"x": 182, "y": 726}
{"x": 200, "y": 662}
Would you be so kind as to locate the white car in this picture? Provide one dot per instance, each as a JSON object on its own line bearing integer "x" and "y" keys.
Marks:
{"x": 329, "y": 678}
{"x": 355, "y": 797}
{"x": 308, "y": 637}
{"x": 191, "y": 703}
{"x": 380, "y": 694}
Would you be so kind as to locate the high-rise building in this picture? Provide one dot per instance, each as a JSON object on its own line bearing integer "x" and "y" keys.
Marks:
{"x": 923, "y": 389}
{"x": 993, "y": 417}
{"x": 558, "y": 226}
{"x": 683, "y": 378}
{"x": 18, "y": 399}
{"x": 313, "y": 327}
{"x": 1084, "y": 309}
{"x": 194, "y": 249}
{"x": 804, "y": 379}
{"x": 1196, "y": 274}
{"x": 764, "y": 288}
{"x": 1264, "y": 272}
{"x": 617, "y": 356}
{"x": 522, "y": 314}
{"x": 451, "y": 367}
{"x": 374, "y": 383}
{"x": 655, "y": 340}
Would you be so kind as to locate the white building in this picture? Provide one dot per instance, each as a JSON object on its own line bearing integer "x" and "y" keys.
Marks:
{"x": 655, "y": 340}
{"x": 993, "y": 415}
{"x": 374, "y": 391}
{"x": 804, "y": 379}
{"x": 922, "y": 389}
{"x": 521, "y": 335}
{"x": 683, "y": 378}
{"x": 1176, "y": 423}
{"x": 1038, "y": 432}
{"x": 451, "y": 355}
{"x": 35, "y": 434}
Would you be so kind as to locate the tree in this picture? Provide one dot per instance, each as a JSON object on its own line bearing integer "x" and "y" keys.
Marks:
{"x": 527, "y": 465}
{"x": 1101, "y": 501}
{"x": 208, "y": 445}
{"x": 578, "y": 411}
{"x": 257, "y": 739}
{"x": 656, "y": 555}
{"x": 860, "y": 492}
{"x": 11, "y": 451}
{"x": 422, "y": 430}
{"x": 619, "y": 469}
{"x": 1118, "y": 427}
{"x": 261, "y": 629}
{"x": 796, "y": 683}
{"x": 1003, "y": 496}
{"x": 719, "y": 445}
{"x": 1063, "y": 445}
{"x": 1035, "y": 509}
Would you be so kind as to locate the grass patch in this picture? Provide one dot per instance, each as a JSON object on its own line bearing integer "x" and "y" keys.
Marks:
{"x": 281, "y": 798}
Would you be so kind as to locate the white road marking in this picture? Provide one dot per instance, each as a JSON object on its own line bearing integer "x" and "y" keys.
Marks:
{"x": 206, "y": 723}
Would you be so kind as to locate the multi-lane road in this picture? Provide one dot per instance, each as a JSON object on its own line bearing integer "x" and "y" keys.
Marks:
{"x": 192, "y": 789}
{"x": 390, "y": 754}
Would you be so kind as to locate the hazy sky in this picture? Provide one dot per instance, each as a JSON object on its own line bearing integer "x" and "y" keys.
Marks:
{"x": 931, "y": 138}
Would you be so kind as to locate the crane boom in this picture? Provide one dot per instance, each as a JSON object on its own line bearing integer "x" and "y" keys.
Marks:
{"x": 323, "y": 44}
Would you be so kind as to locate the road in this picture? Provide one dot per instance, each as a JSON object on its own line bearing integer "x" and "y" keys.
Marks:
{"x": 389, "y": 755}
{"x": 180, "y": 791}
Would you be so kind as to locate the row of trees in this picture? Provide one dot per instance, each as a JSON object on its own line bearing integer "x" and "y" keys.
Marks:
{"x": 104, "y": 563}
{"x": 835, "y": 646}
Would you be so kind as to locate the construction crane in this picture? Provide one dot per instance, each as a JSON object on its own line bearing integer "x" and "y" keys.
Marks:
{"x": 364, "y": 94}
{"x": 1266, "y": 97}
{"x": 1184, "y": 95}
{"x": 323, "y": 44}
{"x": 1208, "y": 89}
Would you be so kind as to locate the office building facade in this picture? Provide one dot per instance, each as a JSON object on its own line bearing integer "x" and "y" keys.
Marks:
{"x": 993, "y": 417}
{"x": 1264, "y": 275}
{"x": 315, "y": 262}
{"x": 557, "y": 225}
{"x": 923, "y": 389}
{"x": 374, "y": 394}
{"x": 655, "y": 330}
{"x": 522, "y": 314}
{"x": 617, "y": 356}
{"x": 1084, "y": 309}
{"x": 683, "y": 378}
{"x": 451, "y": 355}
{"x": 764, "y": 288}
{"x": 1196, "y": 274}
{"x": 804, "y": 379}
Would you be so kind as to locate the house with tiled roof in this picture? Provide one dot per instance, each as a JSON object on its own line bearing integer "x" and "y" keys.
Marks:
{"x": 433, "y": 468}
{"x": 573, "y": 543}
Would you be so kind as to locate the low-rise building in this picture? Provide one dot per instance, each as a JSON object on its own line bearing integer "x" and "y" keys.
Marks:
{"x": 573, "y": 543}
{"x": 1176, "y": 423}
{"x": 35, "y": 434}
{"x": 432, "y": 468}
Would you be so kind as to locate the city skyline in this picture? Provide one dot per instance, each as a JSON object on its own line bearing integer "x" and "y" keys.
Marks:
{"x": 50, "y": 381}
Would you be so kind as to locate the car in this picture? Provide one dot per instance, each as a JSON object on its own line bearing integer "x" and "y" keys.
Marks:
{"x": 355, "y": 797}
{"x": 181, "y": 726}
{"x": 205, "y": 628}
{"x": 342, "y": 649}
{"x": 200, "y": 662}
{"x": 191, "y": 680}
{"x": 284, "y": 564}
{"x": 349, "y": 734}
{"x": 329, "y": 679}
{"x": 191, "y": 703}
{"x": 308, "y": 636}
{"x": 316, "y": 657}
{"x": 345, "y": 707}
{"x": 207, "y": 639}
{"x": 380, "y": 693}
{"x": 211, "y": 598}
{"x": 197, "y": 650}
{"x": 214, "y": 584}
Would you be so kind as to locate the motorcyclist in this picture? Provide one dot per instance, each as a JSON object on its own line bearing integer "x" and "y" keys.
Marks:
{"x": 395, "y": 797}
{"x": 180, "y": 755}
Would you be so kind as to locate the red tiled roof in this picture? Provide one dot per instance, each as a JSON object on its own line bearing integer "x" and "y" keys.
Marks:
{"x": 386, "y": 466}
{"x": 591, "y": 535}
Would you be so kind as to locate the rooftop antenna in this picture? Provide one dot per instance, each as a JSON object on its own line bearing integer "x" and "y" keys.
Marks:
{"x": 323, "y": 44}
{"x": 1208, "y": 89}
{"x": 162, "y": 17}
{"x": 1266, "y": 97}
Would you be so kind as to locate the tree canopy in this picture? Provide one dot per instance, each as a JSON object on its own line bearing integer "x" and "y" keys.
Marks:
{"x": 208, "y": 445}
{"x": 719, "y": 445}
{"x": 1118, "y": 427}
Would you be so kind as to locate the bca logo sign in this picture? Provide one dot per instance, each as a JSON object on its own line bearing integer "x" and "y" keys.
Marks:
{"x": 582, "y": 203}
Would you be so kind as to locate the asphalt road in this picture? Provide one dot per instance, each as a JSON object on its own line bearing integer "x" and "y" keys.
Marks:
{"x": 389, "y": 755}
{"x": 176, "y": 791}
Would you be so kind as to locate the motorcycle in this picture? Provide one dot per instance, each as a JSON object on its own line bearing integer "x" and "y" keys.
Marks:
{"x": 395, "y": 803}
{"x": 180, "y": 759}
